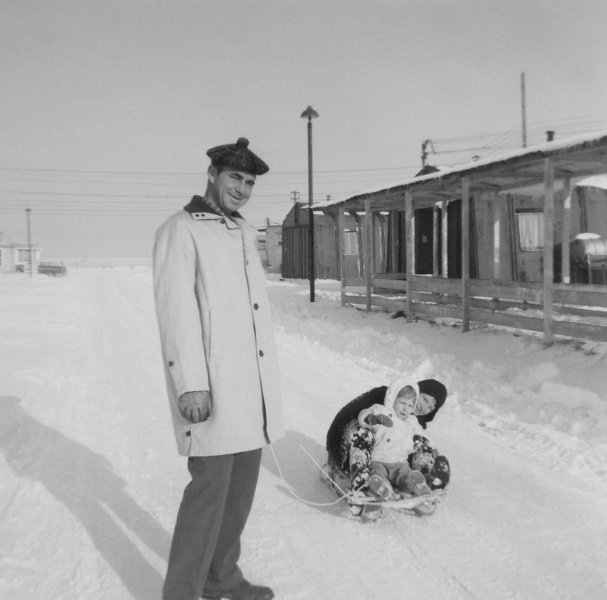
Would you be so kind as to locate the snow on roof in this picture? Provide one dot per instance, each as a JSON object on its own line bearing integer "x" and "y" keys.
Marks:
{"x": 541, "y": 150}
{"x": 597, "y": 181}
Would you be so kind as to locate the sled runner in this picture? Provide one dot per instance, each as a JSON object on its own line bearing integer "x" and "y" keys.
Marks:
{"x": 406, "y": 503}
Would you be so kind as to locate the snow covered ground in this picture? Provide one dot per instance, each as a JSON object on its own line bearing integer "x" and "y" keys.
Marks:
{"x": 90, "y": 480}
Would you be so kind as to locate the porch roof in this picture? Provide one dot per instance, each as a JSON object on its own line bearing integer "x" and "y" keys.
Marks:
{"x": 581, "y": 156}
{"x": 18, "y": 245}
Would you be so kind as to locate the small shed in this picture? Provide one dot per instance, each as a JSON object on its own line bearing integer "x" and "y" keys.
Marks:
{"x": 15, "y": 256}
{"x": 295, "y": 245}
{"x": 274, "y": 247}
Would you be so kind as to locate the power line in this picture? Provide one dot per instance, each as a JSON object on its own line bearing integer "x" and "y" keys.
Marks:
{"x": 111, "y": 205}
{"x": 195, "y": 173}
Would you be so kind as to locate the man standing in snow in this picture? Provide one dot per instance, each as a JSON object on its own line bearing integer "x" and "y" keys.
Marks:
{"x": 221, "y": 371}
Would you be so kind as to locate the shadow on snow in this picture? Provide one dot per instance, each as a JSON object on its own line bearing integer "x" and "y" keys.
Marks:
{"x": 300, "y": 472}
{"x": 86, "y": 484}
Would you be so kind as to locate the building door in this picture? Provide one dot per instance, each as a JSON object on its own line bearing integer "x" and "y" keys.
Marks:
{"x": 454, "y": 234}
{"x": 424, "y": 240}
{"x": 529, "y": 243}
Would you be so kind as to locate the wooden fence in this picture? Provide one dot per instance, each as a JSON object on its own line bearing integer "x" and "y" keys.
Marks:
{"x": 575, "y": 311}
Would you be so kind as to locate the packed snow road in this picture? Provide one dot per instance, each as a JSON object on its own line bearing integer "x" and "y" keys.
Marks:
{"x": 90, "y": 480}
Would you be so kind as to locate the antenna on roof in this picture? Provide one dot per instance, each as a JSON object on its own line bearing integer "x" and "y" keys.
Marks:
{"x": 425, "y": 145}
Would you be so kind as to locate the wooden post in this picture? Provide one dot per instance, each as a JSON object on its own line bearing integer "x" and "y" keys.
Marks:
{"x": 581, "y": 196}
{"x": 497, "y": 239}
{"x": 381, "y": 244}
{"x": 445, "y": 238}
{"x": 465, "y": 254}
{"x": 566, "y": 233}
{"x": 435, "y": 234}
{"x": 548, "y": 249}
{"x": 409, "y": 244}
{"x": 368, "y": 252}
{"x": 359, "y": 243}
{"x": 341, "y": 250}
{"x": 394, "y": 240}
{"x": 513, "y": 237}
{"x": 30, "y": 262}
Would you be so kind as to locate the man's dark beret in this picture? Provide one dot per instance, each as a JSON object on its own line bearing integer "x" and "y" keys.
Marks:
{"x": 238, "y": 156}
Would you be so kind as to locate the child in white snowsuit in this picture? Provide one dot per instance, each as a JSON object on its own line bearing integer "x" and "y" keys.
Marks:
{"x": 349, "y": 445}
{"x": 393, "y": 427}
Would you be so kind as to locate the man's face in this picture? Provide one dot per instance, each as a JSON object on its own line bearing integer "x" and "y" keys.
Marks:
{"x": 232, "y": 188}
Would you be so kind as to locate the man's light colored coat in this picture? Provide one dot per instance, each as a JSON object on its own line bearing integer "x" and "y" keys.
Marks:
{"x": 216, "y": 332}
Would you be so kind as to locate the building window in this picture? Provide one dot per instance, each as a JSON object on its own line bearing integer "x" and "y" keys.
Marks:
{"x": 23, "y": 255}
{"x": 350, "y": 243}
{"x": 530, "y": 230}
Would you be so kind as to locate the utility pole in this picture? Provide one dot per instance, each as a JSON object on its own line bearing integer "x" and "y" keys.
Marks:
{"x": 523, "y": 107}
{"x": 295, "y": 196}
{"x": 29, "y": 240}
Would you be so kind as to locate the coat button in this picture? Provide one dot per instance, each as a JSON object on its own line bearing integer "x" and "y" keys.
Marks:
{"x": 171, "y": 363}
{"x": 261, "y": 353}
{"x": 222, "y": 221}
{"x": 255, "y": 306}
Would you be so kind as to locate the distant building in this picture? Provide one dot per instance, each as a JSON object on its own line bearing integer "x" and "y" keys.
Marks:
{"x": 14, "y": 256}
{"x": 261, "y": 246}
{"x": 269, "y": 247}
{"x": 295, "y": 232}
{"x": 274, "y": 247}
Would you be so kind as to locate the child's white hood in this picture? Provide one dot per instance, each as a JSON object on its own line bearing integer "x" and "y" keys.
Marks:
{"x": 396, "y": 386}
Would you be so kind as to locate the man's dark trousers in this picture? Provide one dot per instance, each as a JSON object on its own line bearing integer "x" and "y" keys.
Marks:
{"x": 215, "y": 507}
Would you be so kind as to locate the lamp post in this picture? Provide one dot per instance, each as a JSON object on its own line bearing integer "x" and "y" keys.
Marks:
{"x": 310, "y": 114}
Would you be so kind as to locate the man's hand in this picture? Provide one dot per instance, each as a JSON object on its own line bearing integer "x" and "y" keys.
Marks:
{"x": 195, "y": 406}
{"x": 380, "y": 420}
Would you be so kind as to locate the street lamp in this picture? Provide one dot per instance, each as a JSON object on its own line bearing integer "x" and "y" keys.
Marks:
{"x": 310, "y": 114}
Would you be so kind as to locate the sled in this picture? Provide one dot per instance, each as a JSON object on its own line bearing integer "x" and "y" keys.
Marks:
{"x": 337, "y": 480}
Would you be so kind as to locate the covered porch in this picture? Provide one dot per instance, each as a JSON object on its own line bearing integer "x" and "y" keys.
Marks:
{"x": 489, "y": 242}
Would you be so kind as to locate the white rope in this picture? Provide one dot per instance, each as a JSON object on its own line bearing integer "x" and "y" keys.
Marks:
{"x": 294, "y": 493}
{"x": 343, "y": 494}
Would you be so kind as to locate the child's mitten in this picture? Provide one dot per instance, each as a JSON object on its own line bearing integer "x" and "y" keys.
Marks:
{"x": 380, "y": 420}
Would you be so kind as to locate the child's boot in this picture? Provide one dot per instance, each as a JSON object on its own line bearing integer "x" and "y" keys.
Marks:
{"x": 416, "y": 484}
{"x": 400, "y": 483}
{"x": 381, "y": 488}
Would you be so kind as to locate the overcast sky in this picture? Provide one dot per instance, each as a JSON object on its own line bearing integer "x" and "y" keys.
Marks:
{"x": 108, "y": 106}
